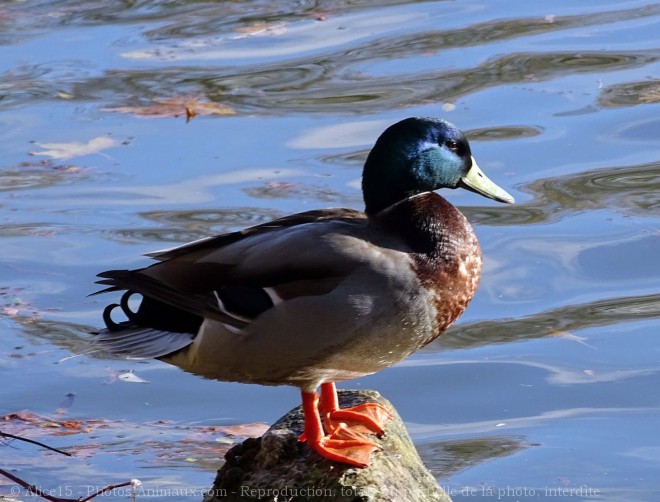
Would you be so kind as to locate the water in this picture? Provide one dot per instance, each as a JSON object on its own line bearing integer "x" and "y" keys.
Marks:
{"x": 547, "y": 385}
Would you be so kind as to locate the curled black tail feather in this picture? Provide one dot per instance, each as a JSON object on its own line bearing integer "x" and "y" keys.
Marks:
{"x": 155, "y": 329}
{"x": 152, "y": 314}
{"x": 159, "y": 296}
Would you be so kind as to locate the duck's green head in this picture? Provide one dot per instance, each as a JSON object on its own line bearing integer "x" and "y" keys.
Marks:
{"x": 420, "y": 155}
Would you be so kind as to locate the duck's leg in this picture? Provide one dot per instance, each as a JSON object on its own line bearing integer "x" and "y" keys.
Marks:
{"x": 341, "y": 445}
{"x": 364, "y": 418}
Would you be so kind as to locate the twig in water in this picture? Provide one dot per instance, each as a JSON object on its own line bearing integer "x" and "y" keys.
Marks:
{"x": 106, "y": 489}
{"x": 37, "y": 491}
{"x": 32, "y": 488}
{"x": 5, "y": 435}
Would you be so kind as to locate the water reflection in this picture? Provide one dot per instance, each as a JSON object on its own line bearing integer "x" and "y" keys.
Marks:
{"x": 72, "y": 336}
{"x": 333, "y": 81}
{"x": 318, "y": 87}
{"x": 449, "y": 457}
{"x": 43, "y": 175}
{"x": 188, "y": 225}
{"x": 549, "y": 323}
{"x": 503, "y": 132}
{"x": 630, "y": 94}
{"x": 629, "y": 190}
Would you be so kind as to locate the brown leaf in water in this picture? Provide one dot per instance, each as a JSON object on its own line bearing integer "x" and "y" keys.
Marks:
{"x": 156, "y": 442}
{"x": 176, "y": 107}
{"x": 261, "y": 28}
{"x": 39, "y": 425}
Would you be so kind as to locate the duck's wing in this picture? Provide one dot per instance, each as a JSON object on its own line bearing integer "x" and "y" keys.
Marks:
{"x": 209, "y": 243}
{"x": 232, "y": 278}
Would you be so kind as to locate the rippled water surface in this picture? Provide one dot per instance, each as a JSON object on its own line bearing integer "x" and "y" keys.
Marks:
{"x": 546, "y": 387}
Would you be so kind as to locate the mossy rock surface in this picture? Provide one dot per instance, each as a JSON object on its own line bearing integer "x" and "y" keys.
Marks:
{"x": 278, "y": 467}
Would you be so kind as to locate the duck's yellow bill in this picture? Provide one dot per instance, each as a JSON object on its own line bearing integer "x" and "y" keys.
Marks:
{"x": 476, "y": 181}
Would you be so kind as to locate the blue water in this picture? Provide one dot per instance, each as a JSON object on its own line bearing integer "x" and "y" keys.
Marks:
{"x": 547, "y": 385}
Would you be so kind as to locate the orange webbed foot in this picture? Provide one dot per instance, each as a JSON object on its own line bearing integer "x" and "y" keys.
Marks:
{"x": 345, "y": 440}
{"x": 346, "y": 446}
{"x": 366, "y": 418}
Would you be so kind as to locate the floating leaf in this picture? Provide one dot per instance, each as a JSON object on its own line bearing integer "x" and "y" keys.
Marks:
{"x": 131, "y": 377}
{"x": 20, "y": 421}
{"x": 154, "y": 442}
{"x": 176, "y": 107}
{"x": 75, "y": 149}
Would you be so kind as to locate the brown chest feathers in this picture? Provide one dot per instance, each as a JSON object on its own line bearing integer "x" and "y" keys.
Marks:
{"x": 447, "y": 257}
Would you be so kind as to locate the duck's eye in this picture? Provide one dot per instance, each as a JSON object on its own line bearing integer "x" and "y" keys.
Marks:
{"x": 452, "y": 145}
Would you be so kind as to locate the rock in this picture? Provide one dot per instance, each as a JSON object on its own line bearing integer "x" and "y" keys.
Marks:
{"x": 277, "y": 467}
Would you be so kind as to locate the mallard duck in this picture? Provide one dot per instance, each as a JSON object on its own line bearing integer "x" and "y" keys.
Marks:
{"x": 321, "y": 296}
